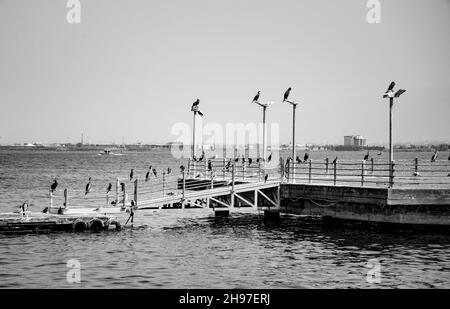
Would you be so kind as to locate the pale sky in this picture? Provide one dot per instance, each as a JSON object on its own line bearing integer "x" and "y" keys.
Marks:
{"x": 133, "y": 68}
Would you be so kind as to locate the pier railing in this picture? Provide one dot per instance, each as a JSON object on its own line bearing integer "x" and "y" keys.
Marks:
{"x": 214, "y": 173}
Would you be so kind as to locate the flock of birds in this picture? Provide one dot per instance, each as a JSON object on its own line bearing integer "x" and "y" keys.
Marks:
{"x": 152, "y": 171}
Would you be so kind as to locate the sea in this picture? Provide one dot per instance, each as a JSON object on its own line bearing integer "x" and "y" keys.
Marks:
{"x": 191, "y": 248}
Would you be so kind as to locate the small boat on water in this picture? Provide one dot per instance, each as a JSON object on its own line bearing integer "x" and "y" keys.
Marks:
{"x": 111, "y": 152}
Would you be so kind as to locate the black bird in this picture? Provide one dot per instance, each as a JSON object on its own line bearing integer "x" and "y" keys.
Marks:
{"x": 256, "y": 98}
{"x": 449, "y": 157}
{"x": 155, "y": 172}
{"x": 228, "y": 165}
{"x": 122, "y": 186}
{"x": 391, "y": 86}
{"x": 298, "y": 159}
{"x": 24, "y": 206}
{"x": 88, "y": 186}
{"x": 169, "y": 170}
{"x": 380, "y": 153}
{"x": 194, "y": 158}
{"x": 147, "y": 176}
{"x": 434, "y": 157}
{"x": 243, "y": 159}
{"x": 202, "y": 156}
{"x": 286, "y": 94}
{"x": 269, "y": 158}
{"x": 258, "y": 160}
{"x": 54, "y": 185}
{"x": 181, "y": 168}
{"x": 209, "y": 165}
{"x": 236, "y": 159}
{"x": 109, "y": 188}
{"x": 335, "y": 160}
{"x": 195, "y": 104}
{"x": 305, "y": 157}
{"x": 131, "y": 174}
{"x": 366, "y": 157}
{"x": 250, "y": 160}
{"x": 266, "y": 177}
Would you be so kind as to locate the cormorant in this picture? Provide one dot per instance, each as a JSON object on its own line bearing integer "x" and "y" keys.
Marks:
{"x": 266, "y": 177}
{"x": 434, "y": 157}
{"x": 286, "y": 94}
{"x": 269, "y": 158}
{"x": 298, "y": 159}
{"x": 169, "y": 170}
{"x": 54, "y": 185}
{"x": 181, "y": 168}
{"x": 155, "y": 172}
{"x": 131, "y": 174}
{"x": 256, "y": 98}
{"x": 209, "y": 165}
{"x": 147, "y": 176}
{"x": 88, "y": 186}
{"x": 366, "y": 157}
{"x": 109, "y": 188}
{"x": 335, "y": 160}
{"x": 305, "y": 157}
{"x": 250, "y": 160}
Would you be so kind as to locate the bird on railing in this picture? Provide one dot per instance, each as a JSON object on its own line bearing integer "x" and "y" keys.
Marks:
{"x": 434, "y": 157}
{"x": 335, "y": 160}
{"x": 250, "y": 160}
{"x": 131, "y": 174}
{"x": 194, "y": 158}
{"x": 122, "y": 186}
{"x": 209, "y": 165}
{"x": 366, "y": 157}
{"x": 269, "y": 158}
{"x": 256, "y": 98}
{"x": 147, "y": 175}
{"x": 305, "y": 157}
{"x": 236, "y": 159}
{"x": 182, "y": 168}
{"x": 54, "y": 185}
{"x": 109, "y": 188}
{"x": 258, "y": 160}
{"x": 169, "y": 170}
{"x": 228, "y": 165}
{"x": 202, "y": 157}
{"x": 298, "y": 160}
{"x": 286, "y": 94}
{"x": 266, "y": 177}
{"x": 88, "y": 186}
{"x": 243, "y": 159}
{"x": 155, "y": 172}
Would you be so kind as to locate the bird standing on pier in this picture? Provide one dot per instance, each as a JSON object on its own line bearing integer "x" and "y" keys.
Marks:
{"x": 155, "y": 172}
{"x": 228, "y": 165}
{"x": 286, "y": 94}
{"x": 182, "y": 168}
{"x": 366, "y": 157}
{"x": 122, "y": 186}
{"x": 335, "y": 160}
{"x": 88, "y": 186}
{"x": 147, "y": 175}
{"x": 298, "y": 159}
{"x": 169, "y": 170}
{"x": 54, "y": 185}
{"x": 305, "y": 157}
{"x": 194, "y": 107}
{"x": 434, "y": 157}
{"x": 243, "y": 159}
{"x": 131, "y": 174}
{"x": 209, "y": 165}
{"x": 256, "y": 98}
{"x": 266, "y": 177}
{"x": 269, "y": 158}
{"x": 109, "y": 188}
{"x": 250, "y": 160}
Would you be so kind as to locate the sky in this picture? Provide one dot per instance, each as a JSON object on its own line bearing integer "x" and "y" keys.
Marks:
{"x": 131, "y": 69}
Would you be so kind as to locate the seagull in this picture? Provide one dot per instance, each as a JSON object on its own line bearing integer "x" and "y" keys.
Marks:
{"x": 88, "y": 186}
{"x": 256, "y": 98}
{"x": 335, "y": 160}
{"x": 131, "y": 174}
{"x": 434, "y": 157}
{"x": 286, "y": 94}
{"x": 54, "y": 185}
{"x": 366, "y": 157}
{"x": 305, "y": 157}
{"x": 269, "y": 158}
{"x": 228, "y": 165}
{"x": 109, "y": 188}
{"x": 155, "y": 172}
{"x": 202, "y": 157}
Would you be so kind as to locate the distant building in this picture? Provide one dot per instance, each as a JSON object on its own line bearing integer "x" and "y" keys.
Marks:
{"x": 355, "y": 141}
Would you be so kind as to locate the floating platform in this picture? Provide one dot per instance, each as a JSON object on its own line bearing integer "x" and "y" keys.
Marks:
{"x": 45, "y": 222}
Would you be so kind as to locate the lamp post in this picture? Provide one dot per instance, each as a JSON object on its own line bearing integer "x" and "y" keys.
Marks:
{"x": 391, "y": 95}
{"x": 196, "y": 111}
{"x": 294, "y": 107}
{"x": 264, "y": 108}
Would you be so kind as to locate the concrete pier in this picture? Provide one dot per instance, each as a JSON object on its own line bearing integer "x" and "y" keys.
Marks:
{"x": 384, "y": 205}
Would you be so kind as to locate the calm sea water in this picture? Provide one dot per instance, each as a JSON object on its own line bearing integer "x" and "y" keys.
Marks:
{"x": 192, "y": 248}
